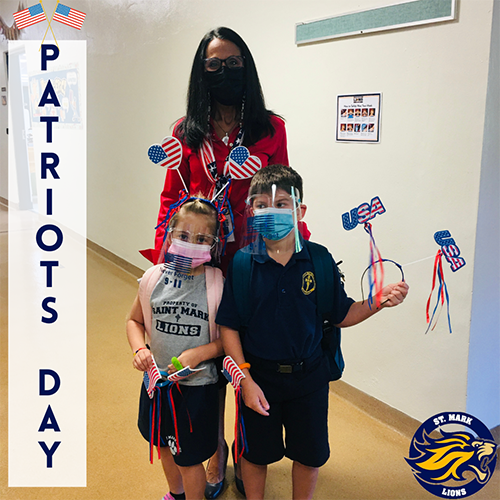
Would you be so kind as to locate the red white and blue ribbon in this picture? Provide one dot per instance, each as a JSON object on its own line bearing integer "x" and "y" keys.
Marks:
{"x": 172, "y": 210}
{"x": 442, "y": 294}
{"x": 155, "y": 415}
{"x": 173, "y": 412}
{"x": 152, "y": 378}
{"x": 375, "y": 270}
{"x": 234, "y": 374}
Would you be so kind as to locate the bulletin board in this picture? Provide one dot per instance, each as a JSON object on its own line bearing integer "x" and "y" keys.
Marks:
{"x": 401, "y": 15}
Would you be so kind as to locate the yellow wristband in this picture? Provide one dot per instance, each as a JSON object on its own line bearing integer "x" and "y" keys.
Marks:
{"x": 140, "y": 349}
{"x": 244, "y": 365}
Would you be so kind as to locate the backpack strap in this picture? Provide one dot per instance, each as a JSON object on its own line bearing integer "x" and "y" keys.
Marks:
{"x": 146, "y": 285}
{"x": 324, "y": 272}
{"x": 215, "y": 285}
{"x": 242, "y": 270}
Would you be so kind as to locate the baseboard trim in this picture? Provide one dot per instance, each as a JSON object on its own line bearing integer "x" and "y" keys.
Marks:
{"x": 118, "y": 261}
{"x": 393, "y": 418}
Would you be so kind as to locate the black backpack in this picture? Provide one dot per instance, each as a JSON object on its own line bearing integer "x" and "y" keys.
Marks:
{"x": 323, "y": 270}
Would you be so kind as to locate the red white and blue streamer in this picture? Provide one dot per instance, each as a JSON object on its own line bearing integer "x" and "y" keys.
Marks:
{"x": 155, "y": 415}
{"x": 375, "y": 270}
{"x": 442, "y": 294}
{"x": 234, "y": 374}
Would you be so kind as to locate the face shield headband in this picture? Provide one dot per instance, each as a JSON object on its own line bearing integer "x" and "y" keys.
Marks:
{"x": 271, "y": 217}
{"x": 186, "y": 249}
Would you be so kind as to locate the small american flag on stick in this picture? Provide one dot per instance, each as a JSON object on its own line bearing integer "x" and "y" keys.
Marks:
{"x": 182, "y": 374}
{"x": 232, "y": 371}
{"x": 151, "y": 377}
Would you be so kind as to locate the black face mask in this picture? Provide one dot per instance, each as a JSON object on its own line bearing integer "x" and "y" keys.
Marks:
{"x": 226, "y": 85}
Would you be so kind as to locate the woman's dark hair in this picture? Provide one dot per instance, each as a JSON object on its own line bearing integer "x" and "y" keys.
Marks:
{"x": 256, "y": 120}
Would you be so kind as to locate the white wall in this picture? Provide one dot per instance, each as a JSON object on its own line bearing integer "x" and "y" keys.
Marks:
{"x": 426, "y": 170}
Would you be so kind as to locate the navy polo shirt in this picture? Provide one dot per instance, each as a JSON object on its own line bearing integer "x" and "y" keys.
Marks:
{"x": 284, "y": 323}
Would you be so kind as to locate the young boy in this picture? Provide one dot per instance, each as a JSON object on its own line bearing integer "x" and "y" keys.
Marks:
{"x": 288, "y": 379}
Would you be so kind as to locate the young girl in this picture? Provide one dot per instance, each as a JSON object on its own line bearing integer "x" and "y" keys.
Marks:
{"x": 186, "y": 429}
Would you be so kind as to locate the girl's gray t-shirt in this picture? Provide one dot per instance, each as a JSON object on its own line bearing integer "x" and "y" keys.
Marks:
{"x": 180, "y": 322}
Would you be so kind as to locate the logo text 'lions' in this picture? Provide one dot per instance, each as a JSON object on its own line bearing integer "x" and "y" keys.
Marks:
{"x": 452, "y": 464}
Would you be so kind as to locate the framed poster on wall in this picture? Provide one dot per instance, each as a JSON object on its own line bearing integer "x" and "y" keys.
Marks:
{"x": 358, "y": 118}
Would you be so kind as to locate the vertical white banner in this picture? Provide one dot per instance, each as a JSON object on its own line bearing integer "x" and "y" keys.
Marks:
{"x": 47, "y": 263}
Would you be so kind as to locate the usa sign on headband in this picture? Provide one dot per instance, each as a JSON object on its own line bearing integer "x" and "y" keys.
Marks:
{"x": 47, "y": 265}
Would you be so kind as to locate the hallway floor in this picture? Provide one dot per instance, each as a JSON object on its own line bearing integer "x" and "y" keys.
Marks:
{"x": 367, "y": 460}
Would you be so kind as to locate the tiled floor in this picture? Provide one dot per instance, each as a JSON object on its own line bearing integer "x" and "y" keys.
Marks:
{"x": 367, "y": 459}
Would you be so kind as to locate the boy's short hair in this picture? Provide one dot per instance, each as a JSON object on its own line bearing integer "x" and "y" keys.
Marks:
{"x": 282, "y": 176}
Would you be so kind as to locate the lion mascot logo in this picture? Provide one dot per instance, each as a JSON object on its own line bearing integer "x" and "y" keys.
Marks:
{"x": 457, "y": 456}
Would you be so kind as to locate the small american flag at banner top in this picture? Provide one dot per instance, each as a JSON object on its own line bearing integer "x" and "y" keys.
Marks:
{"x": 28, "y": 17}
{"x": 70, "y": 17}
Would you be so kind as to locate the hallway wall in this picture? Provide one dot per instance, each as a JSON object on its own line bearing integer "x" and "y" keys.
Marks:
{"x": 426, "y": 169}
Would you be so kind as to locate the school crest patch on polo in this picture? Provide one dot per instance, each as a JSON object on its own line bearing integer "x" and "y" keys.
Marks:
{"x": 308, "y": 283}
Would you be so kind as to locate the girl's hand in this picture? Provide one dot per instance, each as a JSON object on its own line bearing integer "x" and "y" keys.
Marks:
{"x": 190, "y": 358}
{"x": 142, "y": 360}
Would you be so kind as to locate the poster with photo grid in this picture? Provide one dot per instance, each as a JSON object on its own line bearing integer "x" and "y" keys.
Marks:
{"x": 358, "y": 118}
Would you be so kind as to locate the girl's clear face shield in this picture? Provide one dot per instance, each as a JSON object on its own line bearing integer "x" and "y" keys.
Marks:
{"x": 271, "y": 217}
{"x": 188, "y": 246}
{"x": 186, "y": 235}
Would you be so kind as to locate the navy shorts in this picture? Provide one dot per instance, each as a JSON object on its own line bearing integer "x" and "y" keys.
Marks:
{"x": 299, "y": 406}
{"x": 197, "y": 418}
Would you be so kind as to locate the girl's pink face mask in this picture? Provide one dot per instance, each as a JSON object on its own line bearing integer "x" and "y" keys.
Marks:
{"x": 194, "y": 254}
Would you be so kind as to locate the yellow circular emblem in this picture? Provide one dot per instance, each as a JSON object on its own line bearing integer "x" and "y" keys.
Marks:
{"x": 308, "y": 283}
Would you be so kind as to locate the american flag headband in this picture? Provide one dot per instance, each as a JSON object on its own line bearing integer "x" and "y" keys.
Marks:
{"x": 185, "y": 198}
{"x": 207, "y": 156}
{"x": 399, "y": 266}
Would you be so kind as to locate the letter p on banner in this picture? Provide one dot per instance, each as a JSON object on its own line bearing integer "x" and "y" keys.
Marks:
{"x": 47, "y": 265}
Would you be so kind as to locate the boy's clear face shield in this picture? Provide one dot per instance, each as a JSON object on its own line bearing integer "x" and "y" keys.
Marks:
{"x": 271, "y": 217}
{"x": 188, "y": 246}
